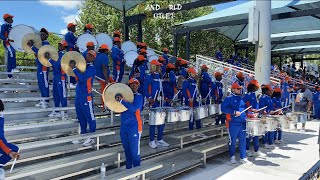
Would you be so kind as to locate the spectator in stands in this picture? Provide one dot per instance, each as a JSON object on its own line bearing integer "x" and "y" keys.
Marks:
{"x": 230, "y": 60}
{"x": 219, "y": 55}
{"x": 303, "y": 104}
{"x": 8, "y": 151}
{"x": 245, "y": 60}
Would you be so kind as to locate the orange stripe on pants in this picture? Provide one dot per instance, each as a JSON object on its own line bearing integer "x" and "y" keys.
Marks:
{"x": 102, "y": 86}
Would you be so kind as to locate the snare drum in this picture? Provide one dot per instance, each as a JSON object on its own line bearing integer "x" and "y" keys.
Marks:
{"x": 302, "y": 117}
{"x": 255, "y": 127}
{"x": 211, "y": 109}
{"x": 17, "y": 33}
{"x": 184, "y": 113}
{"x": 293, "y": 118}
{"x": 271, "y": 124}
{"x": 201, "y": 112}
{"x": 84, "y": 39}
{"x": 172, "y": 115}
{"x": 284, "y": 122}
{"x": 157, "y": 116}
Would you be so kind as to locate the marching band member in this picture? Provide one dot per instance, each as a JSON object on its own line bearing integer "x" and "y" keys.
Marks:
{"x": 72, "y": 41}
{"x": 230, "y": 60}
{"x": 88, "y": 29}
{"x": 217, "y": 94}
{"x": 240, "y": 80}
{"x": 205, "y": 84}
{"x": 101, "y": 63}
{"x": 138, "y": 71}
{"x": 233, "y": 105}
{"x": 84, "y": 97}
{"x": 59, "y": 80}
{"x": 316, "y": 103}
{"x": 11, "y": 53}
{"x": 219, "y": 55}
{"x": 183, "y": 68}
{"x": 169, "y": 85}
{"x": 250, "y": 99}
{"x": 117, "y": 59}
{"x": 131, "y": 125}
{"x": 143, "y": 51}
{"x": 276, "y": 98}
{"x": 117, "y": 34}
{"x": 165, "y": 54}
{"x": 285, "y": 98}
{"x": 265, "y": 100}
{"x": 8, "y": 151}
{"x": 138, "y": 47}
{"x": 164, "y": 65}
{"x": 190, "y": 94}
{"x": 42, "y": 71}
{"x": 90, "y": 46}
{"x": 143, "y": 45}
{"x": 153, "y": 91}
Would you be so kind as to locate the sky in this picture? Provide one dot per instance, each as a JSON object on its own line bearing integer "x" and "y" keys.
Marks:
{"x": 54, "y": 15}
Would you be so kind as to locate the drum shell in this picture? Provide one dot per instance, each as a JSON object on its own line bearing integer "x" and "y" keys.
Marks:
{"x": 157, "y": 116}
{"x": 184, "y": 114}
{"x": 172, "y": 115}
{"x": 201, "y": 112}
{"x": 271, "y": 125}
{"x": 17, "y": 33}
{"x": 211, "y": 109}
{"x": 255, "y": 128}
{"x": 284, "y": 122}
{"x": 218, "y": 108}
{"x": 293, "y": 118}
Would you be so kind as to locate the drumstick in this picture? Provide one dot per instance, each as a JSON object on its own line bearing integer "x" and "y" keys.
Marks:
{"x": 176, "y": 95}
{"x": 245, "y": 110}
{"x": 282, "y": 108}
{"x": 155, "y": 96}
{"x": 96, "y": 91}
{"x": 262, "y": 108}
{"x": 208, "y": 94}
{"x": 14, "y": 162}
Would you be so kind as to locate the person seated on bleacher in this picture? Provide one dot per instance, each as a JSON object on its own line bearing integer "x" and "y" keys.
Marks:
{"x": 277, "y": 104}
{"x": 131, "y": 125}
{"x": 59, "y": 80}
{"x": 245, "y": 60}
{"x": 230, "y": 60}
{"x": 84, "y": 97}
{"x": 219, "y": 55}
{"x": 233, "y": 106}
{"x": 8, "y": 151}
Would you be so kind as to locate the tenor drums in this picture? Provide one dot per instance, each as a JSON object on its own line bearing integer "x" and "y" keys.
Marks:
{"x": 211, "y": 109}
{"x": 84, "y": 39}
{"x": 150, "y": 58}
{"x": 17, "y": 33}
{"x": 150, "y": 52}
{"x": 157, "y": 116}
{"x": 255, "y": 127}
{"x": 201, "y": 112}
{"x": 130, "y": 57}
{"x": 104, "y": 38}
{"x": 272, "y": 124}
{"x": 172, "y": 115}
{"x": 128, "y": 46}
{"x": 184, "y": 113}
{"x": 284, "y": 122}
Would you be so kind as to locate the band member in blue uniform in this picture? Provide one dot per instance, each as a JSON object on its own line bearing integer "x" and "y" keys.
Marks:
{"x": 72, "y": 46}
{"x": 217, "y": 94}
{"x": 169, "y": 85}
{"x": 205, "y": 85}
{"x": 165, "y": 54}
{"x": 118, "y": 60}
{"x": 277, "y": 104}
{"x": 138, "y": 71}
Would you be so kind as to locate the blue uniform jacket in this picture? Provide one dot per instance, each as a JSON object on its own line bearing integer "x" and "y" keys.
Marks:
{"x": 58, "y": 73}
{"x": 189, "y": 90}
{"x": 85, "y": 82}
{"x": 219, "y": 55}
{"x": 138, "y": 72}
{"x": 40, "y": 67}
{"x": 285, "y": 92}
{"x": 316, "y": 99}
{"x": 206, "y": 83}
{"x": 266, "y": 100}
{"x": 71, "y": 40}
{"x": 169, "y": 85}
{"x": 217, "y": 92}
{"x": 276, "y": 103}
{"x": 4, "y": 33}
{"x": 152, "y": 87}
{"x": 117, "y": 58}
{"x": 251, "y": 100}
{"x": 230, "y": 105}
{"x": 101, "y": 59}
{"x": 230, "y": 61}
{"x": 132, "y": 116}
{"x": 241, "y": 84}
{"x": 165, "y": 57}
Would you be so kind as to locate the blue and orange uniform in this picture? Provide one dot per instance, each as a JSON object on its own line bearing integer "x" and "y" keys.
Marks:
{"x": 236, "y": 124}
{"x": 190, "y": 91}
{"x": 11, "y": 53}
{"x": 84, "y": 98}
{"x": 240, "y": 80}
{"x": 169, "y": 85}
{"x": 131, "y": 129}
{"x": 42, "y": 73}
{"x": 316, "y": 104}
{"x": 217, "y": 94}
{"x": 163, "y": 66}
{"x": 219, "y": 55}
{"x": 266, "y": 100}
{"x": 59, "y": 81}
{"x": 205, "y": 85}
{"x": 118, "y": 61}
{"x": 285, "y": 98}
{"x": 138, "y": 71}
{"x": 71, "y": 38}
{"x": 277, "y": 104}
{"x": 165, "y": 55}
{"x": 182, "y": 69}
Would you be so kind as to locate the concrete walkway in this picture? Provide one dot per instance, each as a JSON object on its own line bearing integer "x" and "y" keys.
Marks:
{"x": 289, "y": 160}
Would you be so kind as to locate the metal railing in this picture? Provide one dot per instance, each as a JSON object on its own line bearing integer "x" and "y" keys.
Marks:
{"x": 313, "y": 173}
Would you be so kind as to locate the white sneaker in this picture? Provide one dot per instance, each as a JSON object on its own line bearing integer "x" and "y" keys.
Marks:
{"x": 278, "y": 141}
{"x": 88, "y": 142}
{"x": 79, "y": 141}
{"x": 54, "y": 114}
{"x": 245, "y": 161}
{"x": 63, "y": 114}
{"x": 249, "y": 153}
{"x": 302, "y": 130}
{"x": 202, "y": 135}
{"x": 259, "y": 154}
{"x": 162, "y": 143}
{"x": 44, "y": 105}
{"x": 73, "y": 86}
{"x": 193, "y": 136}
{"x": 266, "y": 146}
{"x": 39, "y": 104}
{"x": 2, "y": 173}
{"x": 233, "y": 160}
{"x": 15, "y": 70}
{"x": 272, "y": 146}
{"x": 153, "y": 144}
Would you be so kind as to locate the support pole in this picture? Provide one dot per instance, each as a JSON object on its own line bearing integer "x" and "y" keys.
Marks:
{"x": 188, "y": 46}
{"x": 175, "y": 39}
{"x": 263, "y": 47}
{"x": 140, "y": 31}
{"x": 125, "y": 27}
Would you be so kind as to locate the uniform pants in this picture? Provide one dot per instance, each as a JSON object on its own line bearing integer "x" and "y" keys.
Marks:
{"x": 221, "y": 118}
{"x": 73, "y": 80}
{"x": 255, "y": 143}
{"x": 117, "y": 75}
{"x": 11, "y": 58}
{"x": 102, "y": 86}
{"x": 85, "y": 115}
{"x": 191, "y": 121}
{"x": 278, "y": 133}
{"x": 4, "y": 158}
{"x": 59, "y": 92}
{"x": 269, "y": 138}
{"x": 43, "y": 83}
{"x": 130, "y": 138}
{"x": 317, "y": 111}
{"x": 152, "y": 131}
{"x": 237, "y": 131}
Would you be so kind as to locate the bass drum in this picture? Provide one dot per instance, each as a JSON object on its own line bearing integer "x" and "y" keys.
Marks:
{"x": 17, "y": 33}
{"x": 150, "y": 52}
{"x": 104, "y": 38}
{"x": 84, "y": 39}
{"x": 128, "y": 46}
{"x": 130, "y": 57}
{"x": 150, "y": 58}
